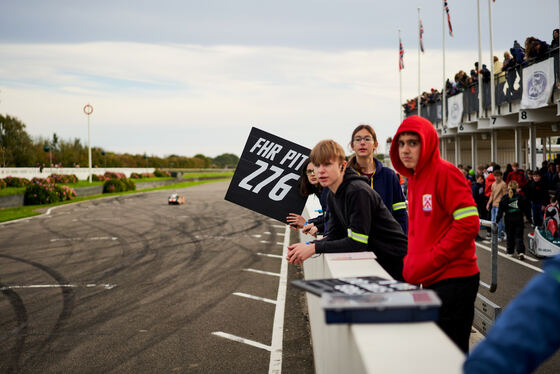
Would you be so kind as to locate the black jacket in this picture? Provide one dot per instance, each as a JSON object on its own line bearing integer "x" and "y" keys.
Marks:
{"x": 360, "y": 221}
{"x": 513, "y": 208}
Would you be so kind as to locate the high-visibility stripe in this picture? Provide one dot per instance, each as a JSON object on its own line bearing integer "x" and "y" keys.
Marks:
{"x": 465, "y": 212}
{"x": 361, "y": 238}
{"x": 398, "y": 206}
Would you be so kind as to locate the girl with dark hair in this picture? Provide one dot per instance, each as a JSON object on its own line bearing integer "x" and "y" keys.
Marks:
{"x": 382, "y": 179}
{"x": 308, "y": 185}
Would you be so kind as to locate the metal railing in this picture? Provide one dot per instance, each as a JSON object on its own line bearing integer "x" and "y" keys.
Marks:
{"x": 494, "y": 255}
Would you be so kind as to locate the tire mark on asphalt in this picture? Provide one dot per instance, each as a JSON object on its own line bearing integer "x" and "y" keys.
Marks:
{"x": 19, "y": 332}
{"x": 67, "y": 304}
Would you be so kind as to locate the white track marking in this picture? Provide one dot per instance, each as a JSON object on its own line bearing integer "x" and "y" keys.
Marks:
{"x": 280, "y": 234}
{"x": 279, "y": 226}
{"x": 270, "y": 301}
{"x": 269, "y": 255}
{"x": 86, "y": 239}
{"x": 256, "y": 236}
{"x": 511, "y": 258}
{"x": 241, "y": 340}
{"x": 504, "y": 249}
{"x": 267, "y": 233}
{"x": 275, "y": 365}
{"x": 279, "y": 243}
{"x": 262, "y": 272}
{"x": 264, "y": 241}
{"x": 107, "y": 286}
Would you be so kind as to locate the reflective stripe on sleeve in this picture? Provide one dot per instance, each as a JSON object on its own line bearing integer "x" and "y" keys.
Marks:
{"x": 465, "y": 212}
{"x": 398, "y": 206}
{"x": 361, "y": 238}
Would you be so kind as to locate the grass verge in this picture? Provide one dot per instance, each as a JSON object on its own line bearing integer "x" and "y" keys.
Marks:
{"x": 10, "y": 214}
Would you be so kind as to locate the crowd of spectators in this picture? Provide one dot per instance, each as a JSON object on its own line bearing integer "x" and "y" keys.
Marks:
{"x": 539, "y": 186}
{"x": 534, "y": 50}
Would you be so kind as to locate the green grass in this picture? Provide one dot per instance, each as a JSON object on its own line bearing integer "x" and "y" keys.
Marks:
{"x": 12, "y": 191}
{"x": 9, "y": 214}
{"x": 199, "y": 175}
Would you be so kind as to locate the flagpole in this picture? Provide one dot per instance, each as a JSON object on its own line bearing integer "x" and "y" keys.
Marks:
{"x": 419, "y": 74}
{"x": 400, "y": 79}
{"x": 479, "y": 75}
{"x": 492, "y": 88}
{"x": 444, "y": 105}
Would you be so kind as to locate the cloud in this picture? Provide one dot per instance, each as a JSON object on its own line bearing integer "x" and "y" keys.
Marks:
{"x": 188, "y": 99}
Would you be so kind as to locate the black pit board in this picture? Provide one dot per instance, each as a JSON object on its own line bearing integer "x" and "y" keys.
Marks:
{"x": 372, "y": 300}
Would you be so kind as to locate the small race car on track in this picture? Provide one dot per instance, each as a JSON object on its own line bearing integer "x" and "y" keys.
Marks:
{"x": 175, "y": 199}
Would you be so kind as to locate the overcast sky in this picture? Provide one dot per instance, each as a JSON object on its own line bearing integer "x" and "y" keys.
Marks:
{"x": 186, "y": 77}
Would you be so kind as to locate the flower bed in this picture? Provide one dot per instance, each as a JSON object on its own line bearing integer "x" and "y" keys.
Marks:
{"x": 119, "y": 185}
{"x": 63, "y": 178}
{"x": 41, "y": 191}
{"x": 162, "y": 173}
{"x": 2, "y": 184}
{"x": 16, "y": 182}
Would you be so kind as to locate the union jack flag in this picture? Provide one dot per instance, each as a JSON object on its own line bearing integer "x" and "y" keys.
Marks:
{"x": 421, "y": 31}
{"x": 401, "y": 55}
{"x": 448, "y": 17}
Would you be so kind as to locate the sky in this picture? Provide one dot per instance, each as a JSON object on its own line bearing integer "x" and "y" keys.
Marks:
{"x": 186, "y": 77}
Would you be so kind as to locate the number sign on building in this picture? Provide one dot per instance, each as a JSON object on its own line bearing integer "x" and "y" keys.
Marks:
{"x": 266, "y": 178}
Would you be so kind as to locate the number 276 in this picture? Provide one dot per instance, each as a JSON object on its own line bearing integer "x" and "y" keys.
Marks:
{"x": 279, "y": 191}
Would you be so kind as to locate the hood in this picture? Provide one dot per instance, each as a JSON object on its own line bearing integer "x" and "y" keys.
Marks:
{"x": 350, "y": 175}
{"x": 429, "y": 139}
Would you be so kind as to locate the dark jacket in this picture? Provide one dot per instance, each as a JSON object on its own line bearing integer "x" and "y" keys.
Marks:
{"x": 360, "y": 221}
{"x": 537, "y": 192}
{"x": 513, "y": 209}
{"x": 386, "y": 183}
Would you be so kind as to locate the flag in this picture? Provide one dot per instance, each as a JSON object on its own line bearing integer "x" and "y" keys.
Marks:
{"x": 448, "y": 17}
{"x": 421, "y": 31}
{"x": 401, "y": 55}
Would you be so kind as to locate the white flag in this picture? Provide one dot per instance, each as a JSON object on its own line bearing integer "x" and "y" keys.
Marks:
{"x": 538, "y": 81}
{"x": 455, "y": 107}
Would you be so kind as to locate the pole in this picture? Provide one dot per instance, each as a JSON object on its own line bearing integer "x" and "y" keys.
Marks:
{"x": 492, "y": 72}
{"x": 89, "y": 147}
{"x": 419, "y": 83}
{"x": 443, "y": 103}
{"x": 479, "y": 62}
{"x": 400, "y": 80}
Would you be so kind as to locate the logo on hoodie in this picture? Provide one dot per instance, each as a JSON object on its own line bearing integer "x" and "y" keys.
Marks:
{"x": 427, "y": 203}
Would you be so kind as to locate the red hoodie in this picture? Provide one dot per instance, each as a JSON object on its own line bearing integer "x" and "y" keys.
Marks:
{"x": 443, "y": 219}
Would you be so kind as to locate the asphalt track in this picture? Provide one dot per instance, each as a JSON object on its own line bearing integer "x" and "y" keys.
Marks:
{"x": 130, "y": 284}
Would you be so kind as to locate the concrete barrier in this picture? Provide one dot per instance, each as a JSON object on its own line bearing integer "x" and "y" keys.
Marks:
{"x": 372, "y": 348}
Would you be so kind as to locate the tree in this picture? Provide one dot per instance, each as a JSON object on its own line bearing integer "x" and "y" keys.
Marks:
{"x": 16, "y": 146}
{"x": 226, "y": 160}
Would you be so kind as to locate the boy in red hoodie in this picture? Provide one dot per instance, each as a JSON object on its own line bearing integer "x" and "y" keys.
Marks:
{"x": 443, "y": 224}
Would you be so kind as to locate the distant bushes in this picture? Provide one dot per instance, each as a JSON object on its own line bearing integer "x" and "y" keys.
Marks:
{"x": 119, "y": 185}
{"x": 162, "y": 173}
{"x": 2, "y": 184}
{"x": 63, "y": 178}
{"x": 16, "y": 182}
{"x": 41, "y": 191}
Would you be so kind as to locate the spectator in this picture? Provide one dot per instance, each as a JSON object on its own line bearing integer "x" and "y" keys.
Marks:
{"x": 382, "y": 179}
{"x": 499, "y": 189}
{"x": 513, "y": 206}
{"x": 508, "y": 170}
{"x": 517, "y": 52}
{"x": 537, "y": 193}
{"x": 443, "y": 224}
{"x": 308, "y": 185}
{"x": 554, "y": 42}
{"x": 358, "y": 218}
{"x": 517, "y": 175}
{"x": 479, "y": 198}
{"x": 526, "y": 332}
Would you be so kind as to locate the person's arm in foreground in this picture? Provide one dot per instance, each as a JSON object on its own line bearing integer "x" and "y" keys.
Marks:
{"x": 526, "y": 333}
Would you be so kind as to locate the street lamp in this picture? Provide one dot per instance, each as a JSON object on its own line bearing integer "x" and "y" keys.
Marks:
{"x": 88, "y": 110}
